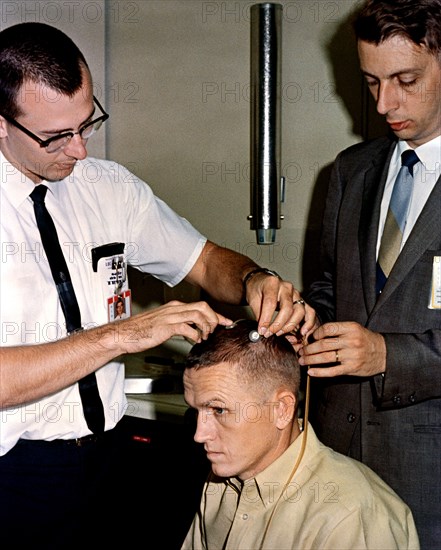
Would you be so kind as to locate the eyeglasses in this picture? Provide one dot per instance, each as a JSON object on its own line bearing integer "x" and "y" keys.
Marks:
{"x": 58, "y": 142}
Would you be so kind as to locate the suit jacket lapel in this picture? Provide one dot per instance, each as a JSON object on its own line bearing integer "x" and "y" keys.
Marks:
{"x": 425, "y": 230}
{"x": 374, "y": 182}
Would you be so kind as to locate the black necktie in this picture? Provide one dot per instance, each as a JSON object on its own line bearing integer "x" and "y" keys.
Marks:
{"x": 396, "y": 218}
{"x": 90, "y": 398}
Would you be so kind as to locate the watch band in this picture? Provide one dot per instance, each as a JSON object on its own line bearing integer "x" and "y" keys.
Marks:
{"x": 253, "y": 272}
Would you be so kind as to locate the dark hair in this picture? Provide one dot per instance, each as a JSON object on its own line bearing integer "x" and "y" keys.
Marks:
{"x": 41, "y": 54}
{"x": 417, "y": 20}
{"x": 268, "y": 362}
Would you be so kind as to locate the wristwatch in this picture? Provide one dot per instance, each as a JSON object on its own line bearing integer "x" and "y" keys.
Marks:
{"x": 253, "y": 272}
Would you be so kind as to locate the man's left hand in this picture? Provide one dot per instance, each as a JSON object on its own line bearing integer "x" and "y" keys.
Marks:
{"x": 344, "y": 348}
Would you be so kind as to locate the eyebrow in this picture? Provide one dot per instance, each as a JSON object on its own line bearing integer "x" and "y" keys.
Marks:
{"x": 393, "y": 75}
{"x": 56, "y": 132}
{"x": 215, "y": 402}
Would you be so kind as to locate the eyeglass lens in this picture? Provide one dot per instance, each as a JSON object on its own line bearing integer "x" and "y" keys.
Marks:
{"x": 85, "y": 133}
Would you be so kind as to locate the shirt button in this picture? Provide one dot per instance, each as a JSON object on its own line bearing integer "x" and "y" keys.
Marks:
{"x": 351, "y": 418}
{"x": 396, "y": 400}
{"x": 244, "y": 516}
{"x": 412, "y": 398}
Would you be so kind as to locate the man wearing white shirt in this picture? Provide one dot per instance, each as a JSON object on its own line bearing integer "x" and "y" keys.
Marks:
{"x": 55, "y": 463}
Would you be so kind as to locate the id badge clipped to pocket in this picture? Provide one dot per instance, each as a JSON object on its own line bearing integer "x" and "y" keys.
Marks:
{"x": 108, "y": 261}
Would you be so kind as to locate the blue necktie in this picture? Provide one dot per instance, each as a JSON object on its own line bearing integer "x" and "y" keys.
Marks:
{"x": 396, "y": 218}
{"x": 90, "y": 398}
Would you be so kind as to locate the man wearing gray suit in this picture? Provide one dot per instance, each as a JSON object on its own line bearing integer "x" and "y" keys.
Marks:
{"x": 379, "y": 397}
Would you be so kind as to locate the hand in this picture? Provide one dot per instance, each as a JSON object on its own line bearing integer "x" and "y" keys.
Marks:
{"x": 267, "y": 294}
{"x": 194, "y": 321}
{"x": 352, "y": 349}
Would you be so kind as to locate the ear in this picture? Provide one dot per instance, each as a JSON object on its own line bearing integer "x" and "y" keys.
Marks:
{"x": 3, "y": 128}
{"x": 285, "y": 410}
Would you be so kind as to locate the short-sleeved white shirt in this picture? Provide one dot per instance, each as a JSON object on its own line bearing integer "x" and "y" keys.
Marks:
{"x": 101, "y": 202}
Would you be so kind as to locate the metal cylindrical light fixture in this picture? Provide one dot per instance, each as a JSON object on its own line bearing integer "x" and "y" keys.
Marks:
{"x": 266, "y": 180}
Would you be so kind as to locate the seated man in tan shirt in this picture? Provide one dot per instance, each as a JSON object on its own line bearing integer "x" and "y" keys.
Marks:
{"x": 272, "y": 484}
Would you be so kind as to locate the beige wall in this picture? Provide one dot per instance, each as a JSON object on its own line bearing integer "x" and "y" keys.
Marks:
{"x": 177, "y": 89}
{"x": 178, "y": 94}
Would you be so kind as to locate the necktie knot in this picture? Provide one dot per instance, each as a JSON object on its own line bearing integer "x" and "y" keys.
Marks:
{"x": 409, "y": 158}
{"x": 39, "y": 193}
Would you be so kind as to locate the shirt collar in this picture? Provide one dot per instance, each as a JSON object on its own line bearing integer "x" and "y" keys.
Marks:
{"x": 270, "y": 483}
{"x": 16, "y": 185}
{"x": 429, "y": 153}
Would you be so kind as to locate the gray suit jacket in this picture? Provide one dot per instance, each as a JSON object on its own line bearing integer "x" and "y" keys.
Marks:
{"x": 391, "y": 423}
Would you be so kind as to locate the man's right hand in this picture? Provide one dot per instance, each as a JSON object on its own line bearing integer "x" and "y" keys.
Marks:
{"x": 194, "y": 321}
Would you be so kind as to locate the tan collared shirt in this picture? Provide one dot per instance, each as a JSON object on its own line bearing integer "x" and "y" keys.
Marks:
{"x": 332, "y": 502}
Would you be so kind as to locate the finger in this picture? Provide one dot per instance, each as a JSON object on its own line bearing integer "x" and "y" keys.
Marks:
{"x": 321, "y": 351}
{"x": 328, "y": 372}
{"x": 296, "y": 307}
{"x": 325, "y": 357}
{"x": 311, "y": 323}
{"x": 224, "y": 321}
{"x": 191, "y": 333}
{"x": 322, "y": 346}
{"x": 280, "y": 326}
{"x": 203, "y": 330}
{"x": 205, "y": 324}
{"x": 199, "y": 316}
{"x": 329, "y": 330}
{"x": 295, "y": 341}
{"x": 265, "y": 304}
{"x": 289, "y": 317}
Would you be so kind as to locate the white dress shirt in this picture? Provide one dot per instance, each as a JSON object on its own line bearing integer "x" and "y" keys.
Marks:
{"x": 425, "y": 175}
{"x": 100, "y": 202}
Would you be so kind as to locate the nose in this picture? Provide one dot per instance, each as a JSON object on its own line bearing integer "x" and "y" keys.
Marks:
{"x": 76, "y": 148}
{"x": 204, "y": 431}
{"x": 387, "y": 98}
